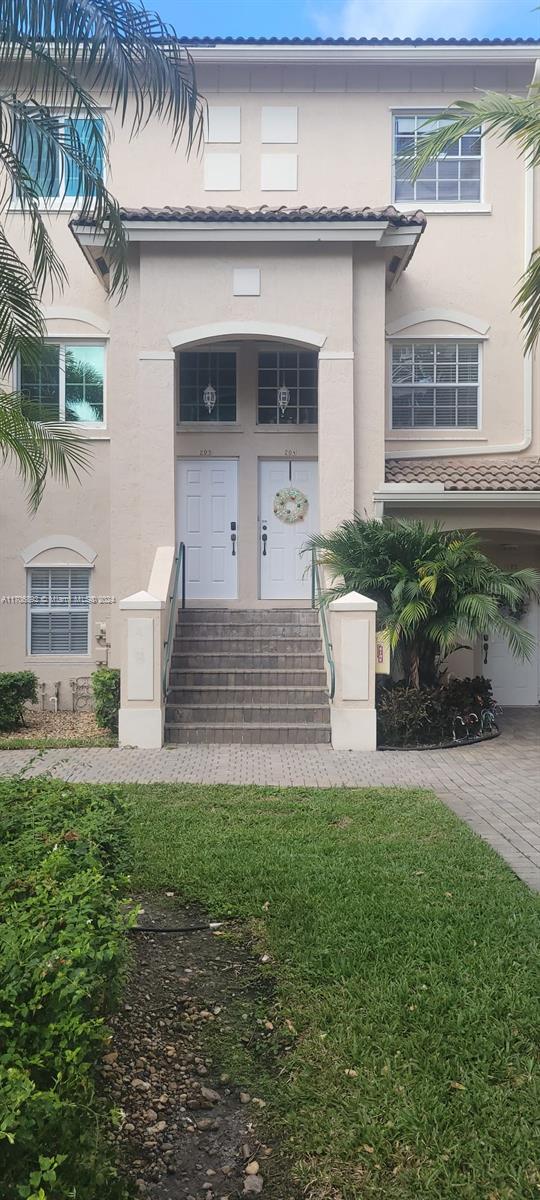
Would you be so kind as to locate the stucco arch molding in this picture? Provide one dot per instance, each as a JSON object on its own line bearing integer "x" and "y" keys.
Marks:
{"x": 67, "y": 550}
{"x": 224, "y": 330}
{"x": 448, "y": 322}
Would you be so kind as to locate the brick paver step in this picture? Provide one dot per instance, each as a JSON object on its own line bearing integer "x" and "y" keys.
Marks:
{"x": 248, "y": 735}
{"x": 241, "y": 714}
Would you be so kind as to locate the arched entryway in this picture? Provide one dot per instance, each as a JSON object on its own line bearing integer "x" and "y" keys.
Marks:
{"x": 247, "y": 483}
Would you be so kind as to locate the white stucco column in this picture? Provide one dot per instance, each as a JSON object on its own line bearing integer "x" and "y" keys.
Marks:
{"x": 353, "y": 714}
{"x": 141, "y": 716}
{"x": 336, "y": 439}
{"x": 369, "y": 375}
{"x": 157, "y": 454}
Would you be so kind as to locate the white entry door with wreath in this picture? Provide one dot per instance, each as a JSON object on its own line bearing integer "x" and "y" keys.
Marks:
{"x": 288, "y": 515}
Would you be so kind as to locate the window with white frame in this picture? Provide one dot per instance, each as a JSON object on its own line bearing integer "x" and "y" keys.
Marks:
{"x": 59, "y": 607}
{"x": 64, "y": 381}
{"x": 453, "y": 176}
{"x": 56, "y": 175}
{"x": 435, "y": 385}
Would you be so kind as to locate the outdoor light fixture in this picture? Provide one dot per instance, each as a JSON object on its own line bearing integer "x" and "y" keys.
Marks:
{"x": 209, "y": 398}
{"x": 283, "y": 398}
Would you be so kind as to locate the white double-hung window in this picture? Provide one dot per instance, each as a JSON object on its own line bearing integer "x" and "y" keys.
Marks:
{"x": 455, "y": 176}
{"x": 64, "y": 381}
{"x": 435, "y": 385}
{"x": 59, "y": 610}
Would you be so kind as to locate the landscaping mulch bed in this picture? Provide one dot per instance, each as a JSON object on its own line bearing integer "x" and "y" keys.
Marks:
{"x": 45, "y": 727}
{"x": 187, "y": 1130}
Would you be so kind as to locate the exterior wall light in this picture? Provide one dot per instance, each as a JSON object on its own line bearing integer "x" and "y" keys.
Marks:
{"x": 209, "y": 398}
{"x": 283, "y": 399}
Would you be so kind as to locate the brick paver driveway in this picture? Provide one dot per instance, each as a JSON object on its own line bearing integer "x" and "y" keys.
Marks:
{"x": 494, "y": 787}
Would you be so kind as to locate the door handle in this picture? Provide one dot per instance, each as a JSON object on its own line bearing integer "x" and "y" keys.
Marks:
{"x": 233, "y": 538}
{"x": 264, "y": 539}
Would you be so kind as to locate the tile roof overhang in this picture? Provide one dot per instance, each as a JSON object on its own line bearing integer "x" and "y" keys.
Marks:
{"x": 395, "y": 232}
{"x": 360, "y": 50}
{"x": 470, "y": 477}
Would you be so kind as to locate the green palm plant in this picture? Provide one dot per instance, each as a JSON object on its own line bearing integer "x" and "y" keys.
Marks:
{"x": 435, "y": 588}
{"x": 72, "y": 57}
{"x": 511, "y": 119}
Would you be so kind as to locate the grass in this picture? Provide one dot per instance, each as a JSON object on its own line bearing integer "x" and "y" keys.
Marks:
{"x": 405, "y": 967}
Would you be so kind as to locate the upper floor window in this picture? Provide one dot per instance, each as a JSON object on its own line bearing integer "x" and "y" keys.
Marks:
{"x": 65, "y": 382}
{"x": 59, "y": 610}
{"x": 208, "y": 385}
{"x": 435, "y": 385}
{"x": 454, "y": 176}
{"x": 57, "y": 178}
{"x": 287, "y": 387}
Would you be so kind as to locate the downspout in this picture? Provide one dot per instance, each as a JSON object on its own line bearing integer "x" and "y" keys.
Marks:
{"x": 516, "y": 447}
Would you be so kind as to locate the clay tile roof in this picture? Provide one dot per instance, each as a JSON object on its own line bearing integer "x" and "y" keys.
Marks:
{"x": 517, "y": 474}
{"x": 352, "y": 41}
{"x": 270, "y": 216}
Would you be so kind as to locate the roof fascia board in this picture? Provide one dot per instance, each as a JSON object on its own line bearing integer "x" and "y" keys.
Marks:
{"x": 363, "y": 54}
{"x": 409, "y": 494}
{"x": 303, "y": 231}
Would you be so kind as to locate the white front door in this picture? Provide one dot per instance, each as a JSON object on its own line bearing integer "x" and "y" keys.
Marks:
{"x": 207, "y": 521}
{"x": 284, "y": 570}
{"x": 515, "y": 681}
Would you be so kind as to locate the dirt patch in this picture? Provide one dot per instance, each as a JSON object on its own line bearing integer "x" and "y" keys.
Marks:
{"x": 187, "y": 1130}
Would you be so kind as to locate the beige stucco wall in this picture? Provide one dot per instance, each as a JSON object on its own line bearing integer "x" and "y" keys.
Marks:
{"x": 465, "y": 262}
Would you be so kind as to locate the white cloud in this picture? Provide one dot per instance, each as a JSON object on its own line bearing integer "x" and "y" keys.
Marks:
{"x": 402, "y": 18}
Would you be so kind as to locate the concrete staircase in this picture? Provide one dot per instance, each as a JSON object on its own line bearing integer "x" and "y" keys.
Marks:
{"x": 254, "y": 676}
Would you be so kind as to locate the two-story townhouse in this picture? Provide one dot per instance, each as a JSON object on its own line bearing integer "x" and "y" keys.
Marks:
{"x": 303, "y": 326}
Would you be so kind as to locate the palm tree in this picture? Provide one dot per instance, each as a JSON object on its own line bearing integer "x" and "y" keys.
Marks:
{"x": 66, "y": 56}
{"x": 435, "y": 588}
{"x": 510, "y": 118}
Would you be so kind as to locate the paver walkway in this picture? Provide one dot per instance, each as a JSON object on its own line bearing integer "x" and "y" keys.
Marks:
{"x": 494, "y": 786}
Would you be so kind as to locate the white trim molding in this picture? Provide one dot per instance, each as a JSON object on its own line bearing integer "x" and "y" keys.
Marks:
{"x": 421, "y": 316}
{"x": 246, "y": 329}
{"x": 58, "y": 541}
{"x": 435, "y": 493}
{"x": 57, "y": 312}
{"x": 156, "y": 355}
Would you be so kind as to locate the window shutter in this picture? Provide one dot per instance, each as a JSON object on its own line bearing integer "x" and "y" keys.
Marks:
{"x": 59, "y": 604}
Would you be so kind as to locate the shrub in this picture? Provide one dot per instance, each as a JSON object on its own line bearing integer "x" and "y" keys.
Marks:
{"x": 62, "y": 925}
{"x": 419, "y": 717}
{"x": 106, "y": 689}
{"x": 17, "y": 688}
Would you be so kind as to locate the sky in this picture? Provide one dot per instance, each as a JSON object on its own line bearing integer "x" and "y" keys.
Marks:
{"x": 352, "y": 18}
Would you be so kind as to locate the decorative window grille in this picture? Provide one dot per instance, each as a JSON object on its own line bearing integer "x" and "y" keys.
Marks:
{"x": 207, "y": 382}
{"x": 288, "y": 387}
{"x": 59, "y": 610}
{"x": 435, "y": 385}
{"x": 65, "y": 382}
{"x": 455, "y": 175}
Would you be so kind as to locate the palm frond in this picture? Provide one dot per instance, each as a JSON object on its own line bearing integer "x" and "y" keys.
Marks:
{"x": 511, "y": 118}
{"x": 21, "y": 320}
{"x": 118, "y": 49}
{"x": 39, "y": 449}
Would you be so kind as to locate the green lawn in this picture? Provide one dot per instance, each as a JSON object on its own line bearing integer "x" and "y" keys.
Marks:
{"x": 402, "y": 951}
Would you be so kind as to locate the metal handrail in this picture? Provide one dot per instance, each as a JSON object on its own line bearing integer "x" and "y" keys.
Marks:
{"x": 179, "y": 573}
{"x": 316, "y": 594}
